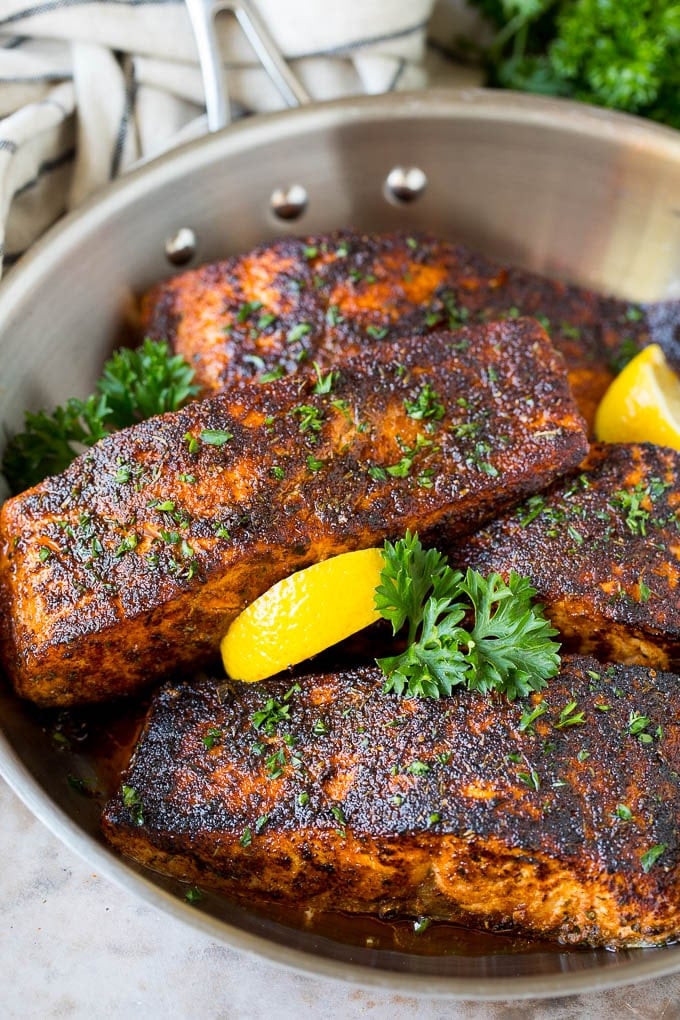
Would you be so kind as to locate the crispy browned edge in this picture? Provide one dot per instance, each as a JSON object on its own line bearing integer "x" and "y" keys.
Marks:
{"x": 452, "y": 808}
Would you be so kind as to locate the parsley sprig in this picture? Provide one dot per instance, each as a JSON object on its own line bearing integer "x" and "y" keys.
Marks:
{"x": 135, "y": 384}
{"x": 461, "y": 629}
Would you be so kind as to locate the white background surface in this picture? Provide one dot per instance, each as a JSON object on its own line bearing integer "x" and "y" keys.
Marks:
{"x": 73, "y": 945}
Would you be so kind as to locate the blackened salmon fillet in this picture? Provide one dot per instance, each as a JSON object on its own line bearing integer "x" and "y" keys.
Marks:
{"x": 134, "y": 561}
{"x": 556, "y": 816}
{"x": 321, "y": 298}
{"x": 602, "y": 550}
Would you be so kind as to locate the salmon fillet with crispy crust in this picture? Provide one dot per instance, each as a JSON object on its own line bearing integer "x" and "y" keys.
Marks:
{"x": 334, "y": 794}
{"x": 603, "y": 551}
{"x": 321, "y": 298}
{"x": 134, "y": 561}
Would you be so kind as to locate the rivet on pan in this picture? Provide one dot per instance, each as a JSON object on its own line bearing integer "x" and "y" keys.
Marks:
{"x": 405, "y": 183}
{"x": 181, "y": 247}
{"x": 289, "y": 203}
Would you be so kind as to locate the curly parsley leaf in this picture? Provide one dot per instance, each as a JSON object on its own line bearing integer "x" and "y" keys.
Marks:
{"x": 135, "y": 384}
{"x": 143, "y": 382}
{"x": 623, "y": 56}
{"x": 51, "y": 441}
{"x": 462, "y": 630}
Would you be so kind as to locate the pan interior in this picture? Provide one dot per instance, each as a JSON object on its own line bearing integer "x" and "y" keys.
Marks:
{"x": 567, "y": 191}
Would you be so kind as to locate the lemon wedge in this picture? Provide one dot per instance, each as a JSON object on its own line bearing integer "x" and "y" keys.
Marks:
{"x": 303, "y": 614}
{"x": 643, "y": 403}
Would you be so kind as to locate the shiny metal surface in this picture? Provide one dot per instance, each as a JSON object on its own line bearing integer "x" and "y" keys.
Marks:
{"x": 564, "y": 189}
{"x": 202, "y": 14}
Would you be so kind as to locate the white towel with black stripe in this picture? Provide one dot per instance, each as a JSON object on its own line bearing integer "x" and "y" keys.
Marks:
{"x": 89, "y": 89}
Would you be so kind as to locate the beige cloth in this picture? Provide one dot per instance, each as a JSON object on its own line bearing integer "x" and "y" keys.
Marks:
{"x": 88, "y": 89}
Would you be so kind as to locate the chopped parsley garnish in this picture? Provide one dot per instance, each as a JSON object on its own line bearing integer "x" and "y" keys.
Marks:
{"x": 651, "y": 856}
{"x": 426, "y": 405}
{"x": 275, "y": 373}
{"x": 274, "y": 712}
{"x": 132, "y": 801}
{"x": 324, "y": 383}
{"x": 570, "y": 716}
{"x": 531, "y": 779}
{"x": 298, "y": 331}
{"x": 630, "y": 502}
{"x": 311, "y": 418}
{"x": 507, "y": 647}
{"x": 247, "y": 309}
{"x": 212, "y": 737}
{"x": 215, "y": 437}
{"x": 529, "y": 718}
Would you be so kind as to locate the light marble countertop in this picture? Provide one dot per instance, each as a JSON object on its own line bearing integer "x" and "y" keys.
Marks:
{"x": 74, "y": 945}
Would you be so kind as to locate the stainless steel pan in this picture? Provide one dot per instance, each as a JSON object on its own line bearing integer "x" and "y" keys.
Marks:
{"x": 564, "y": 189}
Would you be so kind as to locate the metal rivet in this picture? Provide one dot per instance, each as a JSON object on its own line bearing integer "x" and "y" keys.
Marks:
{"x": 181, "y": 247}
{"x": 289, "y": 203}
{"x": 405, "y": 183}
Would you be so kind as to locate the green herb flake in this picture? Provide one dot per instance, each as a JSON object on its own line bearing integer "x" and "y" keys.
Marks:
{"x": 426, "y": 405}
{"x": 531, "y": 779}
{"x": 247, "y": 309}
{"x": 623, "y": 812}
{"x": 212, "y": 737}
{"x": 530, "y": 717}
{"x": 275, "y": 373}
{"x": 216, "y": 437}
{"x": 570, "y": 716}
{"x": 311, "y": 418}
{"x": 193, "y": 894}
{"x": 298, "y": 331}
{"x": 651, "y": 856}
{"x": 132, "y": 801}
{"x": 637, "y": 723}
{"x": 421, "y": 924}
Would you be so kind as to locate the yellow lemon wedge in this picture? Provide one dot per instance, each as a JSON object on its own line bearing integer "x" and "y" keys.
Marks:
{"x": 303, "y": 614}
{"x": 642, "y": 405}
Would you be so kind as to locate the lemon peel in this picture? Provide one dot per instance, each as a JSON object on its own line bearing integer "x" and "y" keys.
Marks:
{"x": 303, "y": 614}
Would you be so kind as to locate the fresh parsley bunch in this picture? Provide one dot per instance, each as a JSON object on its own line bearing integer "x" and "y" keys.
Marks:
{"x": 461, "y": 629}
{"x": 134, "y": 385}
{"x": 621, "y": 55}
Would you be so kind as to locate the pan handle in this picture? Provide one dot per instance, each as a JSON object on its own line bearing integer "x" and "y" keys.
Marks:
{"x": 202, "y": 16}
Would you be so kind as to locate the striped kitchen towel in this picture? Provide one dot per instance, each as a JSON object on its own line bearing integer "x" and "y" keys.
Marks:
{"x": 89, "y": 88}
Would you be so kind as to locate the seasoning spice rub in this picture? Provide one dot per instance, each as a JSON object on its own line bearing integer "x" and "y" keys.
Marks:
{"x": 321, "y": 298}
{"x": 132, "y": 563}
{"x": 555, "y": 816}
{"x": 602, "y": 550}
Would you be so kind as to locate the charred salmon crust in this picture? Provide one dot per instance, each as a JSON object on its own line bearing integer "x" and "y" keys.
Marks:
{"x": 603, "y": 551}
{"x": 329, "y": 296}
{"x": 334, "y": 793}
{"x": 133, "y": 562}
